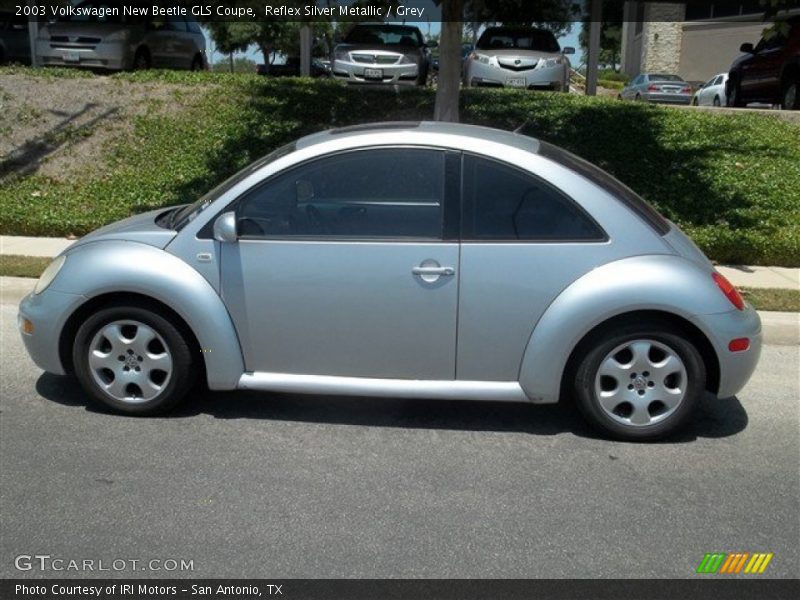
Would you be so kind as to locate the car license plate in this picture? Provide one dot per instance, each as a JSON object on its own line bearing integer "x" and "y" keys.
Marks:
{"x": 373, "y": 73}
{"x": 71, "y": 57}
{"x": 516, "y": 82}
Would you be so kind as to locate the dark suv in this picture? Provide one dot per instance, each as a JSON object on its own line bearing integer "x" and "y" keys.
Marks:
{"x": 770, "y": 72}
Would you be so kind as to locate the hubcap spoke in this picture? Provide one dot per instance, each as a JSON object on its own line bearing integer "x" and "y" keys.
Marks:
{"x": 640, "y": 415}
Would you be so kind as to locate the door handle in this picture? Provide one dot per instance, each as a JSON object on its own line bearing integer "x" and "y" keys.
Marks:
{"x": 437, "y": 271}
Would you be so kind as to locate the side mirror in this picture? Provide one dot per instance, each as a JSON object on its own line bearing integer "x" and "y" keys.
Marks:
{"x": 225, "y": 227}
{"x": 746, "y": 47}
{"x": 568, "y": 50}
{"x": 432, "y": 44}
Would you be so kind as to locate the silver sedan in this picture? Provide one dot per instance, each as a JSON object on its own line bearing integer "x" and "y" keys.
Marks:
{"x": 405, "y": 260}
{"x": 657, "y": 87}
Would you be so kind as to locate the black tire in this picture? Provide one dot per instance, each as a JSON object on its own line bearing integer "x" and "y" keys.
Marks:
{"x": 790, "y": 93}
{"x": 717, "y": 101}
{"x": 735, "y": 95}
{"x": 142, "y": 60}
{"x": 598, "y": 349}
{"x": 183, "y": 368}
{"x": 197, "y": 63}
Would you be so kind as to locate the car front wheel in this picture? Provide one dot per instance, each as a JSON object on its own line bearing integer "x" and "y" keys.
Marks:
{"x": 790, "y": 100}
{"x": 133, "y": 360}
{"x": 640, "y": 383}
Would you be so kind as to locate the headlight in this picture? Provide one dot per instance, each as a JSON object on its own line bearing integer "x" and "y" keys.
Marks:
{"x": 408, "y": 60}
{"x": 49, "y": 274}
{"x": 481, "y": 58}
{"x": 117, "y": 36}
{"x": 549, "y": 63}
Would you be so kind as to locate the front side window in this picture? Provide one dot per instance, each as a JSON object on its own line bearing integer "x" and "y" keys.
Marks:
{"x": 505, "y": 203}
{"x": 376, "y": 193}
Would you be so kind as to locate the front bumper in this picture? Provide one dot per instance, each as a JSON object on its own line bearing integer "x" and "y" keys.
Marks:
{"x": 735, "y": 368}
{"x": 114, "y": 56}
{"x": 48, "y": 312}
{"x": 353, "y": 72}
{"x": 479, "y": 74}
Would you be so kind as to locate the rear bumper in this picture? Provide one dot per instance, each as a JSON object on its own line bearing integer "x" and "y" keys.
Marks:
{"x": 735, "y": 368}
{"x": 669, "y": 98}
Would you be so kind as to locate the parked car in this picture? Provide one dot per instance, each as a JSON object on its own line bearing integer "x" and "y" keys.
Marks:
{"x": 522, "y": 57}
{"x": 118, "y": 43}
{"x": 768, "y": 72}
{"x": 417, "y": 260}
{"x": 712, "y": 92}
{"x": 291, "y": 68}
{"x": 657, "y": 87}
{"x": 382, "y": 53}
{"x": 15, "y": 44}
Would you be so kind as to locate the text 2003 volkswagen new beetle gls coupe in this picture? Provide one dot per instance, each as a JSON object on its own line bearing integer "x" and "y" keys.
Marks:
{"x": 416, "y": 260}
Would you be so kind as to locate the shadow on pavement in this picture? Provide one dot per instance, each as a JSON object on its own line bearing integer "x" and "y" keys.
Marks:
{"x": 715, "y": 418}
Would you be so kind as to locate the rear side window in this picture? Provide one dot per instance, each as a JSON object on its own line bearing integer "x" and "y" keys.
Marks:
{"x": 365, "y": 194}
{"x": 613, "y": 186}
{"x": 504, "y": 203}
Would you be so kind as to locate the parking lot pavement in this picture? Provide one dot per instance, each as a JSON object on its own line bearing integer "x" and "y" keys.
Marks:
{"x": 280, "y": 486}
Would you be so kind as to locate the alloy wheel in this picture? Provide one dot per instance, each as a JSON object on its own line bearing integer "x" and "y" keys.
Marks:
{"x": 640, "y": 383}
{"x": 130, "y": 361}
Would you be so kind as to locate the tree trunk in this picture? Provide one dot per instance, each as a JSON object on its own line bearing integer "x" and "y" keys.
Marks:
{"x": 266, "y": 51}
{"x": 449, "y": 84}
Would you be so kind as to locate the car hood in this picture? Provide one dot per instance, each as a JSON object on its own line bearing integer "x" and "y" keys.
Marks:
{"x": 378, "y": 49}
{"x": 78, "y": 29}
{"x": 139, "y": 228}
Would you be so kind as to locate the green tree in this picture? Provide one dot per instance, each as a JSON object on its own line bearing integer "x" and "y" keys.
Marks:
{"x": 610, "y": 33}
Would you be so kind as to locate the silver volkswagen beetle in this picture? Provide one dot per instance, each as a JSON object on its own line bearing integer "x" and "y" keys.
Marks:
{"x": 416, "y": 260}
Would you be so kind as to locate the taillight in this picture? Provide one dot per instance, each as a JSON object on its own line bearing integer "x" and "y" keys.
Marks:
{"x": 653, "y": 88}
{"x": 739, "y": 345}
{"x": 686, "y": 90}
{"x": 731, "y": 293}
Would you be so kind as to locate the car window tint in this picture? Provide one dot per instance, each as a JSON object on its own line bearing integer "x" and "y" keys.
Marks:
{"x": 376, "y": 193}
{"x": 505, "y": 203}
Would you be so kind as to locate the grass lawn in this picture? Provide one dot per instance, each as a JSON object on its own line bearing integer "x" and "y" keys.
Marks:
{"x": 760, "y": 298}
{"x": 732, "y": 182}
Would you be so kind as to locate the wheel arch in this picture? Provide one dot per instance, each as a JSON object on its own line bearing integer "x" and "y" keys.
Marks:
{"x": 131, "y": 272}
{"x": 666, "y": 287}
{"x": 658, "y": 318}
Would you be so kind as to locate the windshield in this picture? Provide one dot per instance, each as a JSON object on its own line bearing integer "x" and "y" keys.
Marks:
{"x": 185, "y": 215}
{"x": 661, "y": 77}
{"x": 384, "y": 35}
{"x": 521, "y": 39}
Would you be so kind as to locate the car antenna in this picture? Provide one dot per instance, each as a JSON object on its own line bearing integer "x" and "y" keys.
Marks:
{"x": 521, "y": 127}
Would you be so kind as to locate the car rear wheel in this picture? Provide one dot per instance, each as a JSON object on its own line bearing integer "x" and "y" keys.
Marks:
{"x": 640, "y": 383}
{"x": 133, "y": 360}
{"x": 141, "y": 60}
{"x": 789, "y": 97}
{"x": 197, "y": 63}
{"x": 717, "y": 101}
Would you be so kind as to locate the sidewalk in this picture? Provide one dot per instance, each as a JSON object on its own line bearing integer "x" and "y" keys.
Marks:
{"x": 740, "y": 276}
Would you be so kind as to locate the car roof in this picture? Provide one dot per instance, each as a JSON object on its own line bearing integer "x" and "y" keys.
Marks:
{"x": 401, "y": 129}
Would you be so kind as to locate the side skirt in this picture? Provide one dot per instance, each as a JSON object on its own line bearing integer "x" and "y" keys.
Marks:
{"x": 501, "y": 391}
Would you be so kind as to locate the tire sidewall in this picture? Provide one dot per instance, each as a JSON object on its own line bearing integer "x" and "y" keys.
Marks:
{"x": 182, "y": 360}
{"x": 587, "y": 371}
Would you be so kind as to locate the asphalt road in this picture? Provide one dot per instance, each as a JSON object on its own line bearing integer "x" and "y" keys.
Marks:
{"x": 278, "y": 486}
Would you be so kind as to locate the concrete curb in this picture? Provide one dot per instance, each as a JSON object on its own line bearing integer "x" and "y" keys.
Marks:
{"x": 780, "y": 328}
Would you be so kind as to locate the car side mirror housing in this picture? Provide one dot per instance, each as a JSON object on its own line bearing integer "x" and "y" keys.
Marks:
{"x": 225, "y": 228}
{"x": 746, "y": 47}
{"x": 432, "y": 44}
{"x": 568, "y": 50}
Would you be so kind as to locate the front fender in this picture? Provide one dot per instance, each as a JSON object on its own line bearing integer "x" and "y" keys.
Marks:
{"x": 665, "y": 283}
{"x": 104, "y": 267}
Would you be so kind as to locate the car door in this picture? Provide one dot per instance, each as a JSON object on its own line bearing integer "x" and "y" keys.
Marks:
{"x": 761, "y": 74}
{"x": 344, "y": 267}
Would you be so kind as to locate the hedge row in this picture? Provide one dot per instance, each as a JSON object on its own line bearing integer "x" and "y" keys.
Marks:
{"x": 732, "y": 182}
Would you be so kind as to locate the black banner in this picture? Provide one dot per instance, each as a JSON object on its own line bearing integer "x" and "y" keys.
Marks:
{"x": 401, "y": 589}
